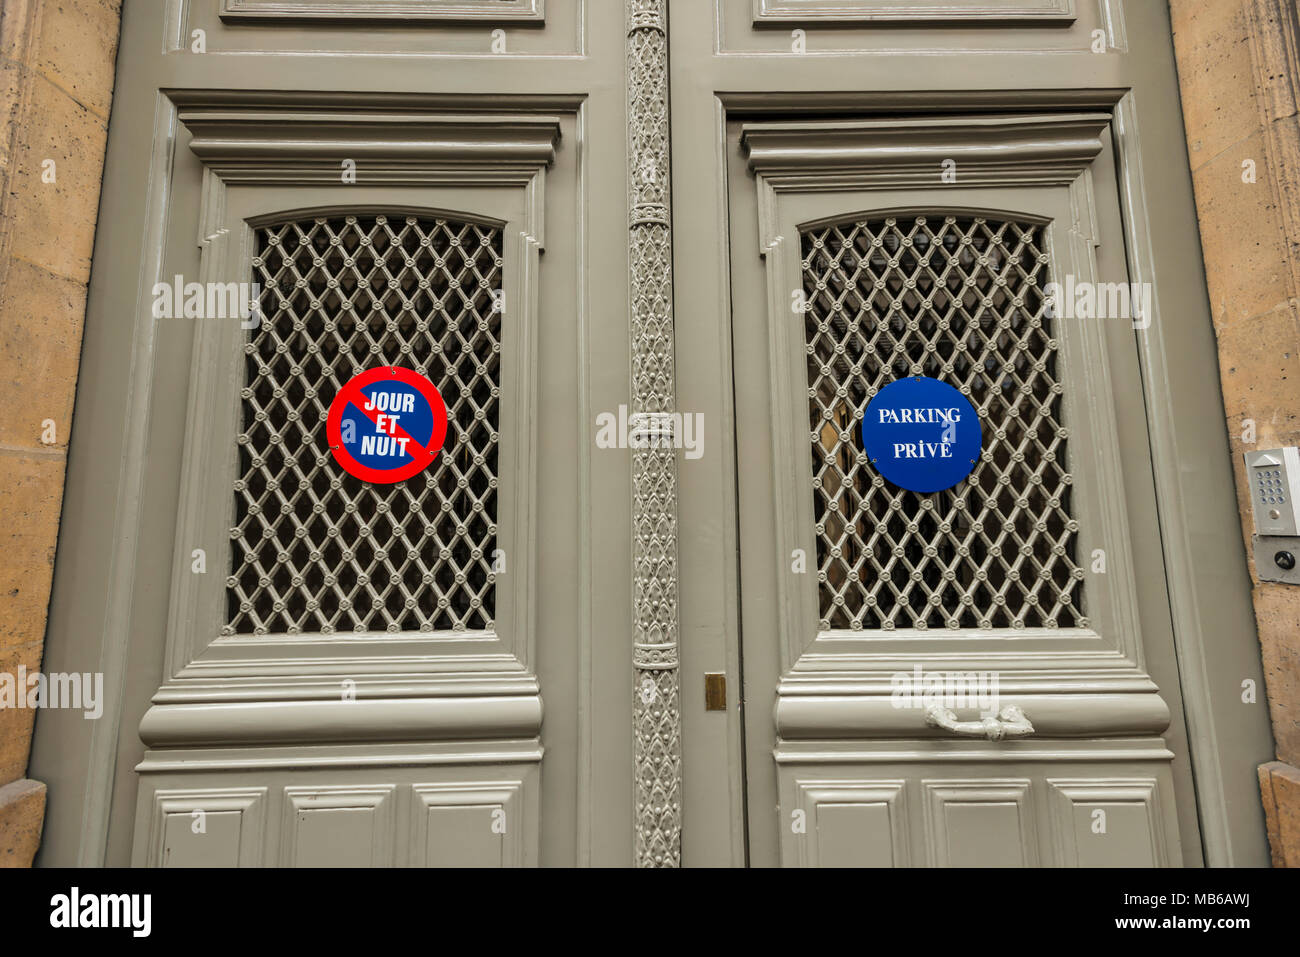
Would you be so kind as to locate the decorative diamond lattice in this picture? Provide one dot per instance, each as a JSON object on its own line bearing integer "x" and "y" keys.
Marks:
{"x": 958, "y": 299}
{"x": 314, "y": 549}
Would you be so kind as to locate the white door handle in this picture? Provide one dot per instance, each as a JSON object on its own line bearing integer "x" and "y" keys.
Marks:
{"x": 1010, "y": 723}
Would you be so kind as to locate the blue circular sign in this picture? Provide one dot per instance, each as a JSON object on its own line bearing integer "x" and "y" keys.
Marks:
{"x": 922, "y": 434}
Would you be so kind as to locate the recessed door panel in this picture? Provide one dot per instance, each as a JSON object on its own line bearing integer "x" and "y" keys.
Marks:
{"x": 1003, "y": 612}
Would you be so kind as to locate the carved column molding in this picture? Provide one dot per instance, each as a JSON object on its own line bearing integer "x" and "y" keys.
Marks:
{"x": 654, "y": 464}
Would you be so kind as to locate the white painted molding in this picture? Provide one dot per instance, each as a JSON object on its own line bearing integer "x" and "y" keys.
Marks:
{"x": 1067, "y": 793}
{"x": 403, "y": 10}
{"x": 1052, "y": 148}
{"x": 919, "y": 12}
{"x": 376, "y": 804}
{"x": 324, "y": 722}
{"x": 939, "y": 796}
{"x": 268, "y": 138}
{"x": 248, "y": 802}
{"x": 825, "y": 716}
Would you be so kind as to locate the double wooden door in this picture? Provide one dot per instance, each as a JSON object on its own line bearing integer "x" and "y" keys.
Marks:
{"x": 656, "y": 257}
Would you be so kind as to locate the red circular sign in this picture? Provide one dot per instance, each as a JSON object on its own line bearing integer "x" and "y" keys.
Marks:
{"x": 387, "y": 425}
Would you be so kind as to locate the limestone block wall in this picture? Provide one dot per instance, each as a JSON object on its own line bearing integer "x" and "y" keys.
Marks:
{"x": 1240, "y": 80}
{"x": 56, "y": 84}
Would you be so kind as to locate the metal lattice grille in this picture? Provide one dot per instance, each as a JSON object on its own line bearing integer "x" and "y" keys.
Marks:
{"x": 958, "y": 299}
{"x": 315, "y": 549}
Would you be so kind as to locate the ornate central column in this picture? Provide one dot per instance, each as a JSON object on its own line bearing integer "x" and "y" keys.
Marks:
{"x": 651, "y": 436}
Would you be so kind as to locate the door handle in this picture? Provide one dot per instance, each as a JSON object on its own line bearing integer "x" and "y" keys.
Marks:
{"x": 1009, "y": 723}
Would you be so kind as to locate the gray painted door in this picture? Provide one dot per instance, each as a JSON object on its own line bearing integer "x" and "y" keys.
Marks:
{"x": 304, "y": 668}
{"x": 987, "y": 675}
{"x": 887, "y": 612}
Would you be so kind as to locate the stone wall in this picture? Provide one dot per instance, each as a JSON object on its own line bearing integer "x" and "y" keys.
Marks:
{"x": 56, "y": 84}
{"x": 1237, "y": 69}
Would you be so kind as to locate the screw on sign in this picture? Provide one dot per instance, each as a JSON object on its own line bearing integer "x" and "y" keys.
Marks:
{"x": 387, "y": 425}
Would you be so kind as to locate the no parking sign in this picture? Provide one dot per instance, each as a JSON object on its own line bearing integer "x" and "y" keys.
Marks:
{"x": 387, "y": 425}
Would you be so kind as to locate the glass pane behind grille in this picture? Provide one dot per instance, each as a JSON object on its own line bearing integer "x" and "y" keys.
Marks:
{"x": 314, "y": 549}
{"x": 957, "y": 299}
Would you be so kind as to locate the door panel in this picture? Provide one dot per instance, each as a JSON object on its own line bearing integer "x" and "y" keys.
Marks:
{"x": 346, "y": 611}
{"x": 967, "y": 809}
{"x": 1022, "y": 578}
{"x": 309, "y": 670}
